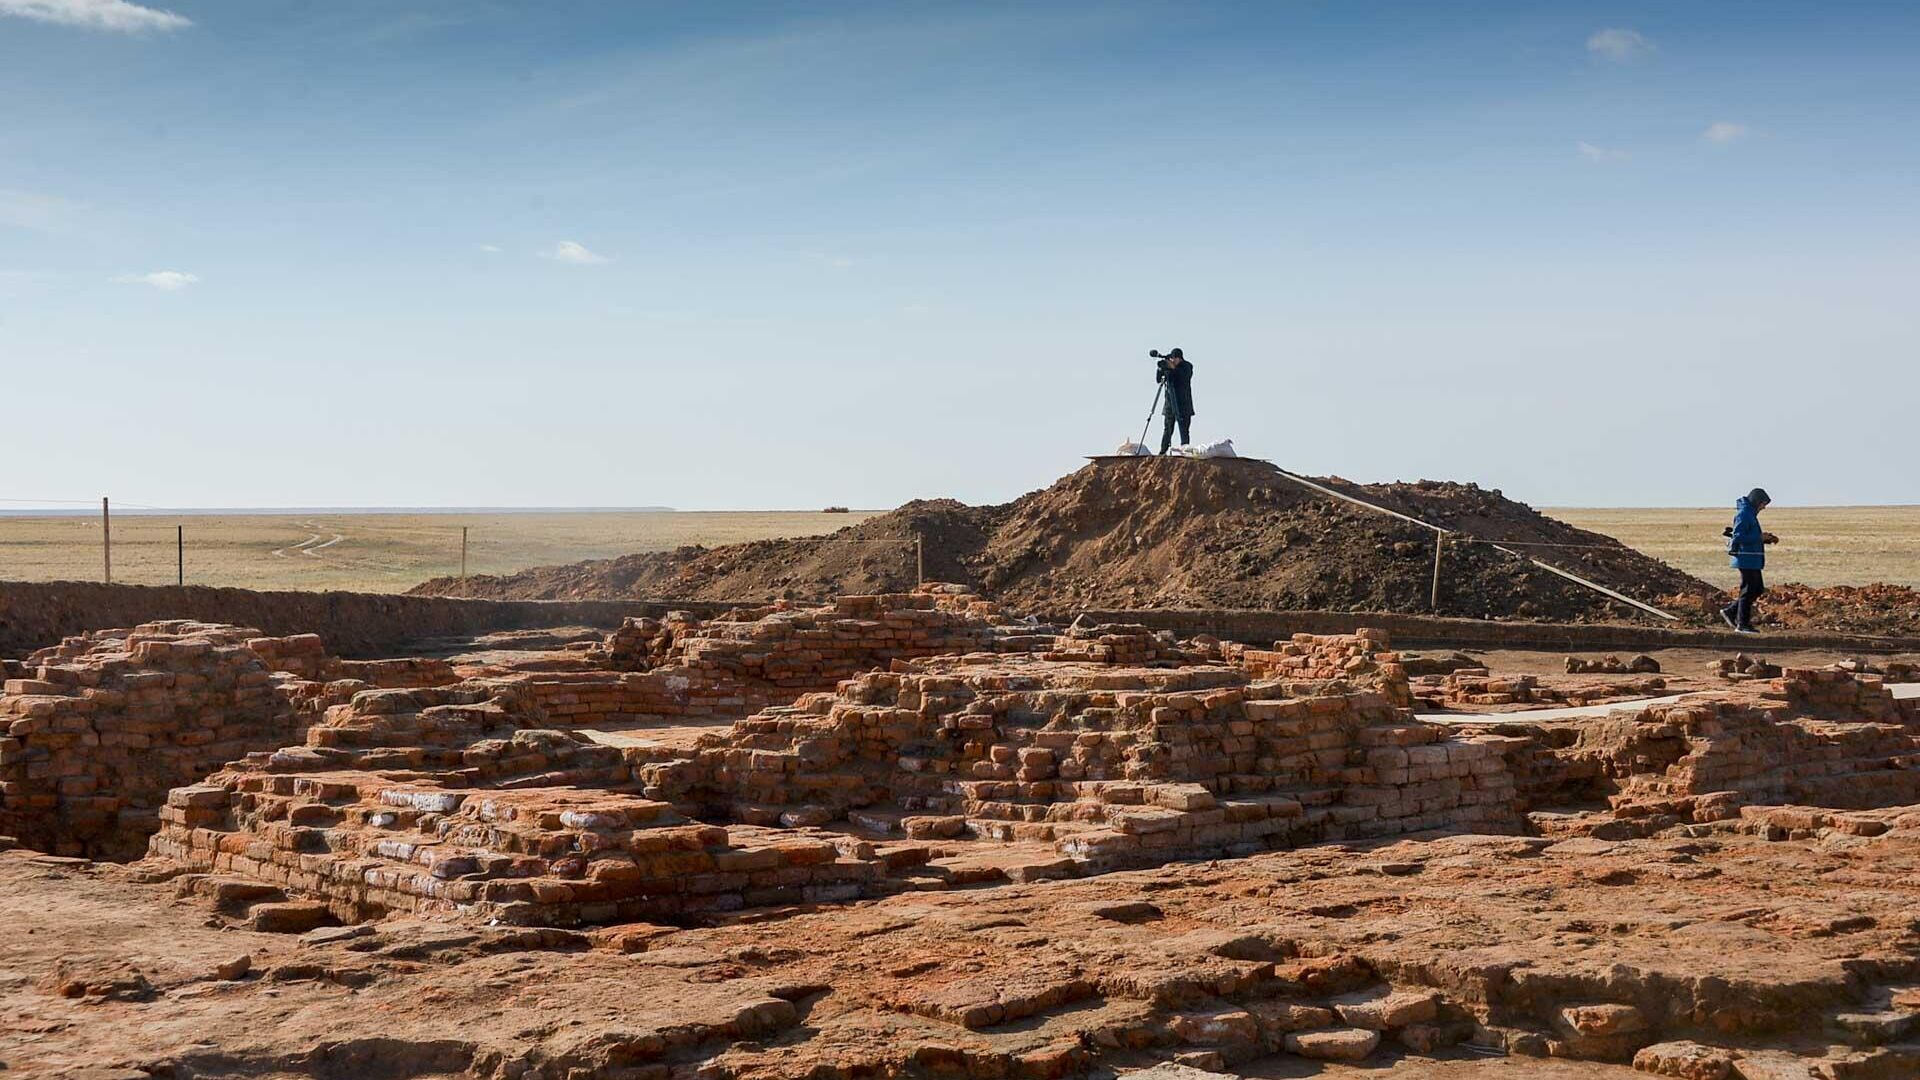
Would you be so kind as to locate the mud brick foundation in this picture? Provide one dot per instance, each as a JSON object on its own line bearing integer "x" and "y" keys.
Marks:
{"x": 104, "y": 725}
{"x": 99, "y": 727}
{"x": 681, "y": 668}
{"x": 1824, "y": 738}
{"x": 944, "y": 771}
{"x": 1471, "y": 688}
{"x": 1329, "y": 661}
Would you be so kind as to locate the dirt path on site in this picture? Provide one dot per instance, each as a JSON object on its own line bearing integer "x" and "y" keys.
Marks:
{"x": 312, "y": 546}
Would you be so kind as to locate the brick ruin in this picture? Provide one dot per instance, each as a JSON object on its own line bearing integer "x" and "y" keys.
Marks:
{"x": 689, "y": 773}
{"x": 943, "y": 772}
{"x": 100, "y": 727}
{"x": 1819, "y": 737}
{"x": 684, "y": 670}
{"x": 1472, "y": 688}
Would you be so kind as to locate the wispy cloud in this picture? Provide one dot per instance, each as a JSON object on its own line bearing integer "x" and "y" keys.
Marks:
{"x": 116, "y": 15}
{"x": 1618, "y": 45}
{"x": 1599, "y": 153}
{"x": 1724, "y": 131}
{"x": 491, "y": 249}
{"x": 164, "y": 280}
{"x": 569, "y": 251}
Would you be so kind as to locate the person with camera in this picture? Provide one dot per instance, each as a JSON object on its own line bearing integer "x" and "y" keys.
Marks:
{"x": 1747, "y": 548}
{"x": 1175, "y": 377}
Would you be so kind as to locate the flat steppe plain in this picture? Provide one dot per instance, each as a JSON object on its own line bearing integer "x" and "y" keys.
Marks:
{"x": 393, "y": 551}
{"x": 1819, "y": 545}
{"x": 369, "y": 551}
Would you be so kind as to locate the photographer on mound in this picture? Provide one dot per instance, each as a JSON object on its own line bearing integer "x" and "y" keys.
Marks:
{"x": 1176, "y": 377}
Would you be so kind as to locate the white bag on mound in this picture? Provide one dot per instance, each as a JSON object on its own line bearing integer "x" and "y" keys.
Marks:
{"x": 1223, "y": 448}
{"x": 1186, "y": 450}
{"x": 1132, "y": 449}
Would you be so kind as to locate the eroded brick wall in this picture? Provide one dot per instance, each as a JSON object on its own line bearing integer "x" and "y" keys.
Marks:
{"x": 1822, "y": 737}
{"x": 1068, "y": 767}
{"x": 684, "y": 669}
{"x": 103, "y": 726}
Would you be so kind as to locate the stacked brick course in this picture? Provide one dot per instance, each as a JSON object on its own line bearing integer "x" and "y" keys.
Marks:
{"x": 1311, "y": 663}
{"x": 460, "y": 798}
{"x": 1842, "y": 694}
{"x": 1471, "y": 688}
{"x": 99, "y": 727}
{"x": 1115, "y": 766}
{"x": 681, "y": 669}
{"x": 104, "y": 725}
{"x": 306, "y": 656}
{"x": 1824, "y": 738}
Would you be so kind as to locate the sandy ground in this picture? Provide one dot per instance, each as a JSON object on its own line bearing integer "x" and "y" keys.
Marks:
{"x": 1819, "y": 545}
{"x": 372, "y": 552}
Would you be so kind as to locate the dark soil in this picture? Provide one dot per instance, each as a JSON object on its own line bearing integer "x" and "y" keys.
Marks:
{"x": 1156, "y": 532}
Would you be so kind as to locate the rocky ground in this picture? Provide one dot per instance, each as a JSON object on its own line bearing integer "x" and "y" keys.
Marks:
{"x": 1854, "y": 609}
{"x": 1462, "y": 955}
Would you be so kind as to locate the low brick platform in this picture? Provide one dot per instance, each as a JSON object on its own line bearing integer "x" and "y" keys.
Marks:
{"x": 944, "y": 771}
{"x": 1820, "y": 737}
{"x": 681, "y": 668}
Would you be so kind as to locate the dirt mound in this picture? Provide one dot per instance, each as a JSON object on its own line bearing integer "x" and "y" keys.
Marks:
{"x": 1161, "y": 533}
{"x": 1852, "y": 609}
{"x": 878, "y": 555}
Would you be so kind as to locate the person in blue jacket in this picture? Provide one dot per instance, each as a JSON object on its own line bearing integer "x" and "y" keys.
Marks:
{"x": 1747, "y": 548}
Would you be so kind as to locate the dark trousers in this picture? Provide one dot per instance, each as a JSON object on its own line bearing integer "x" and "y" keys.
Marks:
{"x": 1752, "y": 587}
{"x": 1166, "y": 430}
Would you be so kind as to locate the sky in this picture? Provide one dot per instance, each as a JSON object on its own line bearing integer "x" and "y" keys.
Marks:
{"x": 786, "y": 255}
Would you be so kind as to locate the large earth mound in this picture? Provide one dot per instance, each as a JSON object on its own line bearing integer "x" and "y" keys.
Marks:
{"x": 1163, "y": 532}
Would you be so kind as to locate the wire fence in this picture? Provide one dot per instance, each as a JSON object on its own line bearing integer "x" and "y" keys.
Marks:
{"x": 127, "y": 542}
{"x": 131, "y": 542}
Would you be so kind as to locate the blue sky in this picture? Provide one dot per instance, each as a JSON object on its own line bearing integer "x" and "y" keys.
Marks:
{"x": 282, "y": 252}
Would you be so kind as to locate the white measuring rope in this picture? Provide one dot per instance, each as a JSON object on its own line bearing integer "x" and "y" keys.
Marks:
{"x": 1442, "y": 534}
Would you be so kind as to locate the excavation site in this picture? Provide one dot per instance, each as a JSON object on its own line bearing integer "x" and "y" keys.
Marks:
{"x": 1177, "y": 769}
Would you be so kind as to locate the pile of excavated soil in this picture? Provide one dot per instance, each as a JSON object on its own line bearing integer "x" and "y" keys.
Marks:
{"x": 1158, "y": 532}
{"x": 1892, "y": 610}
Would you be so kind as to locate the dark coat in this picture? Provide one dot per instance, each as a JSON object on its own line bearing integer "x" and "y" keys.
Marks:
{"x": 1747, "y": 546}
{"x": 1179, "y": 384}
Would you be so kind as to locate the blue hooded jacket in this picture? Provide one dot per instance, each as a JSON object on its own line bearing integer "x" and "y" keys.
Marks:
{"x": 1745, "y": 546}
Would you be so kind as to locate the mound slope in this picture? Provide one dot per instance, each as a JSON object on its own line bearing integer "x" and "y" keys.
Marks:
{"x": 1158, "y": 532}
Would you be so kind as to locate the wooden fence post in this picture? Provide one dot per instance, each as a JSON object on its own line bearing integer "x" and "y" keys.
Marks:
{"x": 180, "y": 553}
{"x": 106, "y": 538}
{"x": 463, "y": 553}
{"x": 1439, "y": 543}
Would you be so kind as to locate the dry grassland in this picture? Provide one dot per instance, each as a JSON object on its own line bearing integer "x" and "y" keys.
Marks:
{"x": 369, "y": 552}
{"x": 392, "y": 552}
{"x": 1819, "y": 545}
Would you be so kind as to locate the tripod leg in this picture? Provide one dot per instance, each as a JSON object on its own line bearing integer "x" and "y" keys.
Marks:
{"x": 1150, "y": 411}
